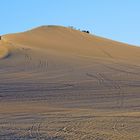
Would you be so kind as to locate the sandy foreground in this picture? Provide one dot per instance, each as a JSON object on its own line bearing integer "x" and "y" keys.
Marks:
{"x": 57, "y": 83}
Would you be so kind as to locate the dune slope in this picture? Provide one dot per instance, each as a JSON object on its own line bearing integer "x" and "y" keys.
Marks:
{"x": 60, "y": 83}
{"x": 4, "y": 52}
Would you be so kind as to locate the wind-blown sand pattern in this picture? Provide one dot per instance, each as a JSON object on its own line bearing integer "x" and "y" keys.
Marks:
{"x": 57, "y": 83}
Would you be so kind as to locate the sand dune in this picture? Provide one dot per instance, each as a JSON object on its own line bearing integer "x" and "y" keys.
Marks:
{"x": 60, "y": 83}
{"x": 75, "y": 42}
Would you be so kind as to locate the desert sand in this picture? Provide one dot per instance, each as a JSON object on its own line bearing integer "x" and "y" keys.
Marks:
{"x": 57, "y": 83}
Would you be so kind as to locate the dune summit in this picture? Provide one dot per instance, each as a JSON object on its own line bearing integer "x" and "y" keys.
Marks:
{"x": 61, "y": 83}
{"x": 75, "y": 42}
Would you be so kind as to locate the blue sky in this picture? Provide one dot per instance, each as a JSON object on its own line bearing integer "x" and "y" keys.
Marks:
{"x": 115, "y": 19}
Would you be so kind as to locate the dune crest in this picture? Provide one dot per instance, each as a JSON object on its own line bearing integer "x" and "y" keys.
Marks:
{"x": 67, "y": 40}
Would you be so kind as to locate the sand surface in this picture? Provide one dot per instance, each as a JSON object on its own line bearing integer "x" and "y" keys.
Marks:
{"x": 57, "y": 83}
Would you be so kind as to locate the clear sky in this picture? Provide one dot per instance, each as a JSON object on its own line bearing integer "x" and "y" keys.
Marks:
{"x": 115, "y": 19}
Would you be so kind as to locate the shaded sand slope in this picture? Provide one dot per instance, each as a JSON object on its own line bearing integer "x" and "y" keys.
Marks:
{"x": 59, "y": 83}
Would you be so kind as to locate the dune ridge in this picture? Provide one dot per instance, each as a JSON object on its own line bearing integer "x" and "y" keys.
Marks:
{"x": 76, "y": 42}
